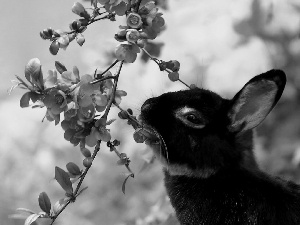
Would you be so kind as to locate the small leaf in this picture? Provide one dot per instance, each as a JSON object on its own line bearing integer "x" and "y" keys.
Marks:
{"x": 34, "y": 96}
{"x": 80, "y": 39}
{"x": 124, "y": 183}
{"x": 121, "y": 162}
{"x": 73, "y": 168}
{"x": 30, "y": 219}
{"x": 110, "y": 121}
{"x": 68, "y": 77}
{"x": 51, "y": 80}
{"x": 63, "y": 179}
{"x": 24, "y": 101}
{"x": 126, "y": 52}
{"x": 33, "y": 68}
{"x": 120, "y": 9}
{"x": 59, "y": 205}
{"x": 69, "y": 133}
{"x": 44, "y": 202}
{"x": 76, "y": 73}
{"x": 60, "y": 67}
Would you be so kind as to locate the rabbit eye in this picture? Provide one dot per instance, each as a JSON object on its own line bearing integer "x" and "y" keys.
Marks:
{"x": 193, "y": 119}
{"x": 190, "y": 117}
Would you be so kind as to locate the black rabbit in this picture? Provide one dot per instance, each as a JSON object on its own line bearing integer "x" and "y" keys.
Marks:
{"x": 206, "y": 147}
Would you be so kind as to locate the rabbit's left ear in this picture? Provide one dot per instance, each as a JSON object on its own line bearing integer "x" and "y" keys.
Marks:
{"x": 255, "y": 100}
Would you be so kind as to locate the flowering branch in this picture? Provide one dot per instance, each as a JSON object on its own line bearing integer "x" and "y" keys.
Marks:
{"x": 85, "y": 101}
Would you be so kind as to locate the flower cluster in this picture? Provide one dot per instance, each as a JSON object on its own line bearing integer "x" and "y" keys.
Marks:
{"x": 141, "y": 25}
{"x": 79, "y": 98}
{"x": 61, "y": 39}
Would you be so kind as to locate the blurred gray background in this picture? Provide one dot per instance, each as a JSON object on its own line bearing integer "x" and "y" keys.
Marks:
{"x": 220, "y": 45}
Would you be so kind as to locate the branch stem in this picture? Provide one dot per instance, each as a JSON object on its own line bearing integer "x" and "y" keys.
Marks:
{"x": 97, "y": 149}
{"x": 111, "y": 66}
{"x": 112, "y": 98}
{"x": 184, "y": 83}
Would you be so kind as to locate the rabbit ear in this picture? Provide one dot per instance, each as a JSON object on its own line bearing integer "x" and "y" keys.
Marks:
{"x": 255, "y": 100}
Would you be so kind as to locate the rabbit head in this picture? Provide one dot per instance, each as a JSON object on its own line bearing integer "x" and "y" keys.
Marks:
{"x": 202, "y": 133}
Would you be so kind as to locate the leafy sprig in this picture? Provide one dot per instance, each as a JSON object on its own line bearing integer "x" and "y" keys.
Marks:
{"x": 81, "y": 103}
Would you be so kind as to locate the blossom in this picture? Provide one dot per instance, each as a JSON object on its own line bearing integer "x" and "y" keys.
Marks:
{"x": 55, "y": 101}
{"x": 134, "y": 20}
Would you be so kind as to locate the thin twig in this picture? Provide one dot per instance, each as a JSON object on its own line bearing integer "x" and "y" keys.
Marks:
{"x": 60, "y": 211}
{"x": 97, "y": 149}
{"x": 102, "y": 79}
{"x": 95, "y": 20}
{"x": 112, "y": 98}
{"x": 184, "y": 83}
{"x": 130, "y": 116}
{"x": 111, "y": 66}
{"x": 82, "y": 176}
{"x": 151, "y": 57}
{"x": 113, "y": 148}
{"x": 158, "y": 63}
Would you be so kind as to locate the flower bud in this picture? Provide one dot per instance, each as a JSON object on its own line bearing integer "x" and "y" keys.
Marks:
{"x": 130, "y": 111}
{"x": 173, "y": 65}
{"x": 162, "y": 65}
{"x": 132, "y": 35}
{"x": 80, "y": 39}
{"x": 123, "y": 115}
{"x": 193, "y": 86}
{"x": 78, "y": 9}
{"x": 141, "y": 43}
{"x": 85, "y": 152}
{"x": 134, "y": 20}
{"x": 44, "y": 35}
{"x": 54, "y": 47}
{"x": 121, "y": 35}
{"x": 144, "y": 35}
{"x": 173, "y": 76}
{"x": 116, "y": 142}
{"x": 71, "y": 36}
{"x": 57, "y": 33}
{"x": 84, "y": 22}
{"x": 75, "y": 25}
{"x": 87, "y": 162}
